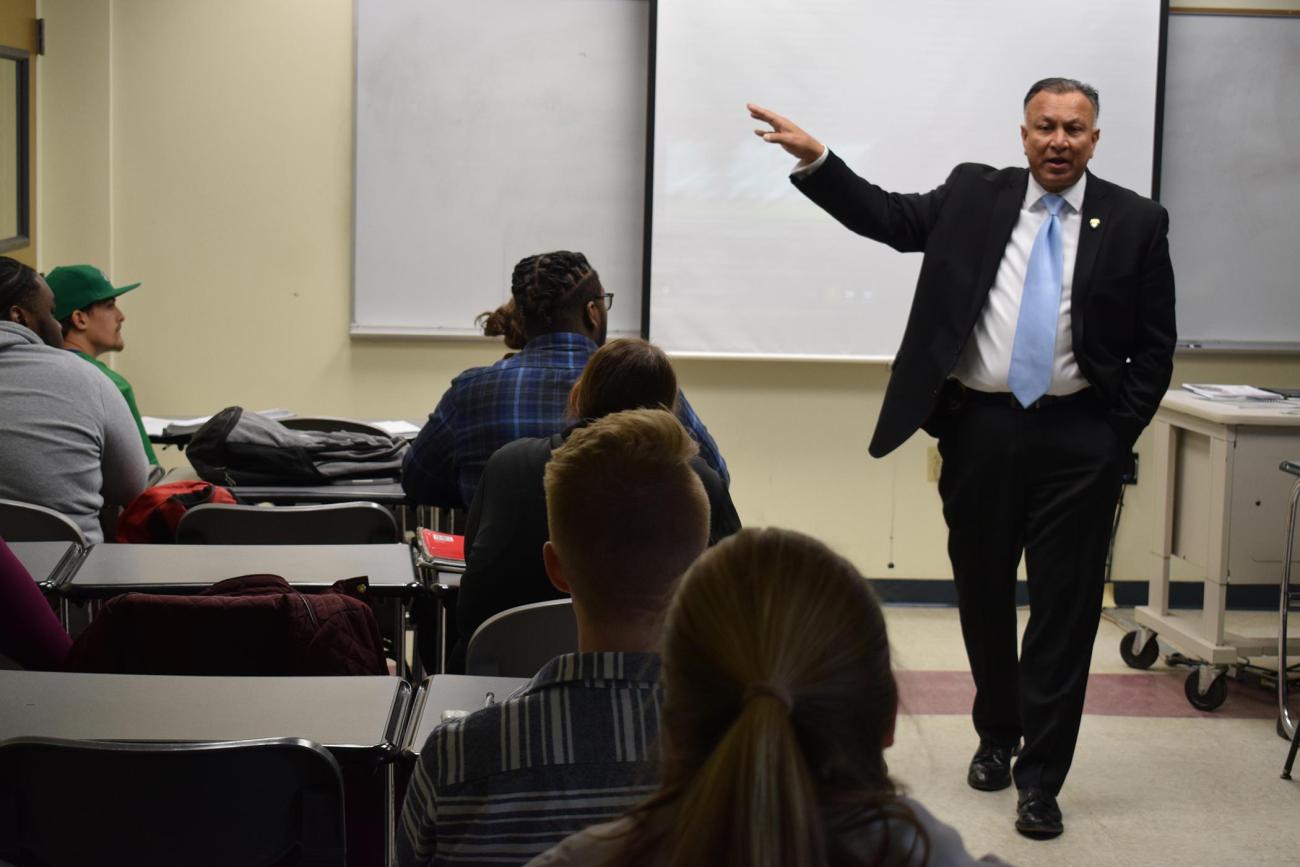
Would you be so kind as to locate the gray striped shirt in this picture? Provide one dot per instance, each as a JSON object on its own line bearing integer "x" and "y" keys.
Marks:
{"x": 576, "y": 746}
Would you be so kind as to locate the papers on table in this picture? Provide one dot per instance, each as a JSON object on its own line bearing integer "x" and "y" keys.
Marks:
{"x": 154, "y": 426}
{"x": 1231, "y": 392}
{"x": 397, "y": 428}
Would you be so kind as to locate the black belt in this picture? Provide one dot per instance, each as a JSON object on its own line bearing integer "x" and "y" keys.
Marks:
{"x": 1006, "y": 398}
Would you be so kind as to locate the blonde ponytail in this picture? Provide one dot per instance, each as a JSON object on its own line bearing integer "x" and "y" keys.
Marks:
{"x": 778, "y": 699}
{"x": 755, "y": 773}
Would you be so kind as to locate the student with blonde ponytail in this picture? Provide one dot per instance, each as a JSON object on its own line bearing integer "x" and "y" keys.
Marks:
{"x": 779, "y": 702}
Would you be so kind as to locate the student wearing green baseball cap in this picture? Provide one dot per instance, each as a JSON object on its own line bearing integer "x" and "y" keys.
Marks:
{"x": 85, "y": 303}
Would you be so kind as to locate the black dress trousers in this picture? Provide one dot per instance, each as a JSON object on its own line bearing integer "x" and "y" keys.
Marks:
{"x": 1042, "y": 482}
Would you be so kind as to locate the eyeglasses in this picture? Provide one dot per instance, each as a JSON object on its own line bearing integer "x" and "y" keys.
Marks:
{"x": 605, "y": 299}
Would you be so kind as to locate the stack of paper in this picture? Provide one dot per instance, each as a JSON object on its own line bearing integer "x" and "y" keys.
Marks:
{"x": 397, "y": 428}
{"x": 1231, "y": 392}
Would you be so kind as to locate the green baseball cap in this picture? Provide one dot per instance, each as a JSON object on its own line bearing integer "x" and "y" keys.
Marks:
{"x": 76, "y": 287}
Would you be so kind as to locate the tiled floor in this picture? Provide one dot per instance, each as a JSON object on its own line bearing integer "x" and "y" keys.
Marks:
{"x": 1154, "y": 782}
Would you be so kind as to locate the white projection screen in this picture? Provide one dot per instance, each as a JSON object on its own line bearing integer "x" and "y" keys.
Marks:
{"x": 741, "y": 264}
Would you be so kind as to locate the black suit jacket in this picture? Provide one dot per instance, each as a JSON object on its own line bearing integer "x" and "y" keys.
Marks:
{"x": 1121, "y": 305}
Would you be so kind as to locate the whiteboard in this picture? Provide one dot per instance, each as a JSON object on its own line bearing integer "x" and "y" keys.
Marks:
{"x": 1230, "y": 177}
{"x": 487, "y": 131}
{"x": 741, "y": 264}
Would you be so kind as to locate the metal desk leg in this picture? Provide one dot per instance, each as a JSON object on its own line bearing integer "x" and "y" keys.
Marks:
{"x": 442, "y": 636}
{"x": 1290, "y": 756}
{"x": 1284, "y": 714}
{"x": 390, "y": 819}
{"x": 399, "y": 637}
{"x": 417, "y": 664}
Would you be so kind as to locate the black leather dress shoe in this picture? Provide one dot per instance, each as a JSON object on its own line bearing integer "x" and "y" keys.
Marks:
{"x": 990, "y": 769}
{"x": 1037, "y": 815}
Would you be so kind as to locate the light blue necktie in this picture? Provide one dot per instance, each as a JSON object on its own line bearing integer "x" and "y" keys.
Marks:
{"x": 1034, "y": 348}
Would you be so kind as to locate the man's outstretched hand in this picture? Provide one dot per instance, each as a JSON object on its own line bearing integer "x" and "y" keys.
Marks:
{"x": 796, "y": 142}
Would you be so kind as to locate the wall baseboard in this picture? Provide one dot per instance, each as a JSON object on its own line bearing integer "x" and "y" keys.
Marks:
{"x": 1128, "y": 594}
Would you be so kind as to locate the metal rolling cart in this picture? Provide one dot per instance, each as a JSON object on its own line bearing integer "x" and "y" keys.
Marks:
{"x": 1219, "y": 518}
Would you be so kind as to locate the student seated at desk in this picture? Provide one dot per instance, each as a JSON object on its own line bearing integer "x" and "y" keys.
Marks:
{"x": 507, "y": 522}
{"x": 67, "y": 439}
{"x": 578, "y": 743}
{"x": 564, "y": 310}
{"x": 30, "y": 634}
{"x": 85, "y": 303}
{"x": 779, "y": 702}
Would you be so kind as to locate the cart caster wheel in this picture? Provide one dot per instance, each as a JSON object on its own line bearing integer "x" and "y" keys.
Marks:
{"x": 1213, "y": 697}
{"x": 1145, "y": 659}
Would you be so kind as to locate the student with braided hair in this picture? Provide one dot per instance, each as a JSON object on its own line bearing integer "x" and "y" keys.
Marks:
{"x": 504, "y": 322}
{"x": 779, "y": 702}
{"x": 507, "y": 527}
{"x": 564, "y": 308}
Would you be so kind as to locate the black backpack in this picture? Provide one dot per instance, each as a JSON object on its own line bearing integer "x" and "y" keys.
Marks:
{"x": 235, "y": 447}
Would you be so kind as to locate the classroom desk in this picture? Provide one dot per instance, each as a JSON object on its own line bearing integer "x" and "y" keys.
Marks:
{"x": 110, "y": 570}
{"x": 359, "y": 719}
{"x": 444, "y": 692}
{"x": 51, "y": 564}
{"x": 1220, "y": 520}
{"x": 387, "y": 492}
{"x": 182, "y": 435}
{"x": 356, "y": 717}
{"x": 384, "y": 492}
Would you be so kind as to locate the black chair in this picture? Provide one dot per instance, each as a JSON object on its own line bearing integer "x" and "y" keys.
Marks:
{"x": 258, "y": 802}
{"x": 331, "y": 524}
{"x": 28, "y": 522}
{"x": 519, "y": 641}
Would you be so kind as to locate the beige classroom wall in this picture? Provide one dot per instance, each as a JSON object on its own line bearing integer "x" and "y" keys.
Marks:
{"x": 205, "y": 149}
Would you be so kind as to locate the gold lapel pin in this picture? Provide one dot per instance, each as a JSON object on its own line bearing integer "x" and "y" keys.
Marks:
{"x": 1095, "y": 222}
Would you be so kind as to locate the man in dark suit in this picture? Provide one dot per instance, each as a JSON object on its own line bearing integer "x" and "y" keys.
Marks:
{"x": 1038, "y": 346}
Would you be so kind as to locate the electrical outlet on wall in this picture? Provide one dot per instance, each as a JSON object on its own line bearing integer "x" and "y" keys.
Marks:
{"x": 933, "y": 464}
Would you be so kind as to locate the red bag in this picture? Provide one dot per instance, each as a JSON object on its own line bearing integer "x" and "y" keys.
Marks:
{"x": 153, "y": 516}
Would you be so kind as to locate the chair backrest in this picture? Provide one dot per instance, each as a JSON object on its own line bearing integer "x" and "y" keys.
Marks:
{"x": 238, "y": 802}
{"x": 329, "y": 424}
{"x": 331, "y": 524}
{"x": 28, "y": 522}
{"x": 519, "y": 641}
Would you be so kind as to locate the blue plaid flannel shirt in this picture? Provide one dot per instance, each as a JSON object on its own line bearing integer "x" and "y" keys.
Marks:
{"x": 524, "y": 395}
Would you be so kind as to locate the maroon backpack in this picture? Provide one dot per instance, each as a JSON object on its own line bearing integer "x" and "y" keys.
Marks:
{"x": 250, "y": 625}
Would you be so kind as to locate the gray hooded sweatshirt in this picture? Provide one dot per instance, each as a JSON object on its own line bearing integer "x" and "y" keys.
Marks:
{"x": 67, "y": 439}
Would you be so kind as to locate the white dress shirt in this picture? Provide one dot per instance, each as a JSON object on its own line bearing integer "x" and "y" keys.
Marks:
{"x": 986, "y": 358}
